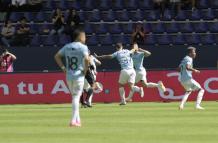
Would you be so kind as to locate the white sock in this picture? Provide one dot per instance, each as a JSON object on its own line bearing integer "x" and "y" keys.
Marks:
{"x": 90, "y": 99}
{"x": 152, "y": 85}
{"x": 184, "y": 99}
{"x": 122, "y": 94}
{"x": 75, "y": 110}
{"x": 130, "y": 95}
{"x": 200, "y": 97}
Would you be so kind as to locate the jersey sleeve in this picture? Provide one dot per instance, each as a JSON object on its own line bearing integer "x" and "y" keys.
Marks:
{"x": 85, "y": 50}
{"x": 189, "y": 62}
{"x": 114, "y": 55}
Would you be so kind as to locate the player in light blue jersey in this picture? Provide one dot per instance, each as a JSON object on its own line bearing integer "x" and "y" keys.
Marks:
{"x": 138, "y": 58}
{"x": 127, "y": 74}
{"x": 77, "y": 58}
{"x": 186, "y": 79}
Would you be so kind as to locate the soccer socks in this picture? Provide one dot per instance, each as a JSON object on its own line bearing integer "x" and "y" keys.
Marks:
{"x": 184, "y": 99}
{"x": 200, "y": 97}
{"x": 75, "y": 109}
{"x": 152, "y": 85}
{"x": 122, "y": 94}
{"x": 130, "y": 96}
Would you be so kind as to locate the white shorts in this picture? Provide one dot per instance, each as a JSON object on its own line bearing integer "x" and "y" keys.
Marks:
{"x": 86, "y": 85}
{"x": 191, "y": 85}
{"x": 140, "y": 76}
{"x": 127, "y": 76}
{"x": 75, "y": 87}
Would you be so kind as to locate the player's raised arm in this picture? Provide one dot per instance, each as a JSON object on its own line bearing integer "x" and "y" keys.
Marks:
{"x": 98, "y": 63}
{"x": 58, "y": 59}
{"x": 104, "y": 56}
{"x": 146, "y": 53}
{"x": 189, "y": 67}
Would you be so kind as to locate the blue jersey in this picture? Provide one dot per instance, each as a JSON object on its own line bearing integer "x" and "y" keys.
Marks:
{"x": 138, "y": 58}
{"x": 124, "y": 58}
{"x": 74, "y": 54}
{"x": 184, "y": 73}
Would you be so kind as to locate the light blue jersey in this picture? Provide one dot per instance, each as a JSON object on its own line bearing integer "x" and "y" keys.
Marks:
{"x": 74, "y": 54}
{"x": 124, "y": 58}
{"x": 185, "y": 74}
{"x": 138, "y": 58}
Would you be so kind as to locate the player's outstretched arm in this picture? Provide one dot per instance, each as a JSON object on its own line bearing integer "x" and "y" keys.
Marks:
{"x": 104, "y": 56}
{"x": 188, "y": 67}
{"x": 58, "y": 59}
{"x": 146, "y": 53}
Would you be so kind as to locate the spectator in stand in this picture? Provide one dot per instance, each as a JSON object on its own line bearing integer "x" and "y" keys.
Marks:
{"x": 175, "y": 6}
{"x": 18, "y": 3}
{"x": 6, "y": 61}
{"x": 7, "y": 33}
{"x": 138, "y": 35}
{"x": 22, "y": 36}
{"x": 187, "y": 3}
{"x": 160, "y": 4}
{"x": 58, "y": 22}
{"x": 73, "y": 21}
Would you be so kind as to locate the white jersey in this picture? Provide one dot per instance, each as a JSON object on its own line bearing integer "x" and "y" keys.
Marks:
{"x": 74, "y": 54}
{"x": 138, "y": 58}
{"x": 124, "y": 58}
{"x": 185, "y": 74}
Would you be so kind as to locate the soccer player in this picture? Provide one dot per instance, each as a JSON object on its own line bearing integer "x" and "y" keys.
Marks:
{"x": 77, "y": 58}
{"x": 138, "y": 57}
{"x": 127, "y": 74}
{"x": 186, "y": 79}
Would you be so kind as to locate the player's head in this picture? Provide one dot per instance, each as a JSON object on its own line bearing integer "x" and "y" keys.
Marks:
{"x": 135, "y": 46}
{"x": 79, "y": 35}
{"x": 119, "y": 46}
{"x": 191, "y": 52}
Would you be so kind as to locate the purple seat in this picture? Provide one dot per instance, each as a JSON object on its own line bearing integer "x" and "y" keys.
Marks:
{"x": 106, "y": 40}
{"x": 127, "y": 28}
{"x": 164, "y": 40}
{"x": 167, "y": 15}
{"x": 50, "y": 5}
{"x": 145, "y": 4}
{"x": 117, "y": 4}
{"x": 181, "y": 16}
{"x": 15, "y": 16}
{"x": 40, "y": 17}
{"x": 92, "y": 40}
{"x": 157, "y": 27}
{"x": 88, "y": 4}
{"x": 214, "y": 3}
{"x": 186, "y": 27}
{"x": 193, "y": 39}
{"x": 207, "y": 39}
{"x": 122, "y": 15}
{"x": 152, "y": 16}
{"x": 105, "y": 4}
{"x": 34, "y": 28}
{"x": 130, "y": 4}
{"x": 100, "y": 29}
{"x": 200, "y": 27}
{"x": 121, "y": 38}
{"x": 203, "y": 4}
{"x": 114, "y": 28}
{"x": 108, "y": 16}
{"x": 172, "y": 27}
{"x": 195, "y": 15}
{"x": 50, "y": 40}
{"x": 93, "y": 16}
{"x": 29, "y": 16}
{"x": 150, "y": 40}
{"x": 64, "y": 4}
{"x": 88, "y": 28}
{"x": 208, "y": 14}
{"x": 137, "y": 15}
{"x": 213, "y": 27}
{"x": 36, "y": 40}
{"x": 63, "y": 39}
{"x": 178, "y": 39}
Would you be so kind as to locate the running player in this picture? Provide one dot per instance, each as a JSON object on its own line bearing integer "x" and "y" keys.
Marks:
{"x": 138, "y": 57}
{"x": 187, "y": 81}
{"x": 77, "y": 59}
{"x": 127, "y": 74}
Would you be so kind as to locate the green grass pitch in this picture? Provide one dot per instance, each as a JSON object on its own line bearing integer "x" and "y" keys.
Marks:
{"x": 110, "y": 123}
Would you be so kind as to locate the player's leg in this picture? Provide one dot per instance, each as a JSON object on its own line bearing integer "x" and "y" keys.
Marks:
{"x": 188, "y": 88}
{"x": 76, "y": 88}
{"x": 184, "y": 99}
{"x": 123, "y": 79}
{"x": 197, "y": 87}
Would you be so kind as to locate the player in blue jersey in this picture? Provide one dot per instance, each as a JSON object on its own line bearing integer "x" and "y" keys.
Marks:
{"x": 138, "y": 58}
{"x": 76, "y": 57}
{"x": 186, "y": 79}
{"x": 127, "y": 74}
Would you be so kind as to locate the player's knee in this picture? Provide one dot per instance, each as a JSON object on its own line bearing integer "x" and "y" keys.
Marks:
{"x": 202, "y": 91}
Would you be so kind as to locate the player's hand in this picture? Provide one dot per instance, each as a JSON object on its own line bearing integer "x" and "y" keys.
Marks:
{"x": 196, "y": 71}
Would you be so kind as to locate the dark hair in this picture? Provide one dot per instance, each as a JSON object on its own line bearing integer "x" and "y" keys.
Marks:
{"x": 76, "y": 33}
{"x": 118, "y": 45}
{"x": 23, "y": 18}
{"x": 190, "y": 49}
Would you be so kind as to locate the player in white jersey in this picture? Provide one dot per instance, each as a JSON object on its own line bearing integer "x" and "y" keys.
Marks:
{"x": 186, "y": 79}
{"x": 77, "y": 58}
{"x": 127, "y": 74}
{"x": 138, "y": 57}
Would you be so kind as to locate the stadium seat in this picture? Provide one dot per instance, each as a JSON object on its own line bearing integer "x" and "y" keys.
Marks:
{"x": 193, "y": 39}
{"x": 167, "y": 15}
{"x": 50, "y": 5}
{"x": 100, "y": 28}
{"x": 214, "y": 3}
{"x": 181, "y": 15}
{"x": 150, "y": 40}
{"x": 108, "y": 16}
{"x": 152, "y": 16}
{"x": 92, "y": 40}
{"x": 213, "y": 27}
{"x": 208, "y": 14}
{"x": 15, "y": 16}
{"x": 195, "y": 15}
{"x": 172, "y": 27}
{"x": 35, "y": 41}
{"x": 121, "y": 38}
{"x": 137, "y": 15}
{"x": 157, "y": 27}
{"x": 178, "y": 39}
{"x": 117, "y": 4}
{"x": 200, "y": 27}
{"x": 207, "y": 39}
{"x": 145, "y": 4}
{"x": 122, "y": 15}
{"x": 202, "y": 4}
{"x": 64, "y": 4}
{"x": 130, "y": 4}
{"x": 164, "y": 40}
{"x": 74, "y": 4}
{"x": 87, "y": 4}
{"x": 40, "y": 17}
{"x": 88, "y": 28}
{"x": 114, "y": 28}
{"x": 186, "y": 27}
{"x": 50, "y": 40}
{"x": 104, "y": 4}
{"x": 93, "y": 16}
{"x": 43, "y": 27}
{"x": 106, "y": 39}
{"x": 34, "y": 28}
{"x": 63, "y": 39}
{"x": 127, "y": 28}
{"x": 29, "y": 16}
